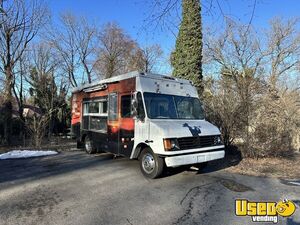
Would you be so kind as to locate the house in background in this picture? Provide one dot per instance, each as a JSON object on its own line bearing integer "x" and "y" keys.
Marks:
{"x": 28, "y": 112}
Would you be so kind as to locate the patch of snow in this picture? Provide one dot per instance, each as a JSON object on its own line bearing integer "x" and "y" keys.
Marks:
{"x": 17, "y": 154}
{"x": 295, "y": 183}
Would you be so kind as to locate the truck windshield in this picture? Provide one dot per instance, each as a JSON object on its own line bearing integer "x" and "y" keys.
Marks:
{"x": 161, "y": 106}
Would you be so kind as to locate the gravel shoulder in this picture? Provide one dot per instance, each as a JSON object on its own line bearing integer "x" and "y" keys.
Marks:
{"x": 285, "y": 168}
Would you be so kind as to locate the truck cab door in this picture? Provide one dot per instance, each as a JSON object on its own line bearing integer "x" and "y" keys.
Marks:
{"x": 141, "y": 125}
{"x": 126, "y": 125}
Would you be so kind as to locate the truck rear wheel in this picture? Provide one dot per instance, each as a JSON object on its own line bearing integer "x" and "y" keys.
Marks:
{"x": 89, "y": 146}
{"x": 151, "y": 164}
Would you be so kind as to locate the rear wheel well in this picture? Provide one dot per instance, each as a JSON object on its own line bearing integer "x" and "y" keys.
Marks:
{"x": 80, "y": 140}
{"x": 83, "y": 137}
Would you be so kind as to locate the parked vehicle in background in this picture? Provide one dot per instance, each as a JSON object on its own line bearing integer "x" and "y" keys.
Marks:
{"x": 153, "y": 118}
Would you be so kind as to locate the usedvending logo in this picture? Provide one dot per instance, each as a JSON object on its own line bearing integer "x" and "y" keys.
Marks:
{"x": 264, "y": 211}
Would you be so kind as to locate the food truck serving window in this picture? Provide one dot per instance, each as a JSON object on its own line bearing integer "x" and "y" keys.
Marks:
{"x": 95, "y": 115}
{"x": 98, "y": 108}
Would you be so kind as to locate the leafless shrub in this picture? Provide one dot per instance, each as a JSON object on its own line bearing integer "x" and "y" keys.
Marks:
{"x": 37, "y": 126}
{"x": 253, "y": 101}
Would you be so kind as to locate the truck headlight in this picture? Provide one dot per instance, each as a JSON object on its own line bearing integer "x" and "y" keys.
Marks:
{"x": 171, "y": 144}
{"x": 217, "y": 140}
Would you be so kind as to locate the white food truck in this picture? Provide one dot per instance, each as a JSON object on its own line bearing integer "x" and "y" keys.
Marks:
{"x": 153, "y": 118}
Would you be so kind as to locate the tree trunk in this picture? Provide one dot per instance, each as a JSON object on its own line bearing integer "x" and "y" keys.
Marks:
{"x": 8, "y": 107}
{"x": 88, "y": 72}
{"x": 7, "y": 121}
{"x": 50, "y": 127}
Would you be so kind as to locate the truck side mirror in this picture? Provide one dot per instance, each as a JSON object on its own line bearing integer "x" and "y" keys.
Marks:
{"x": 137, "y": 111}
{"x": 134, "y": 107}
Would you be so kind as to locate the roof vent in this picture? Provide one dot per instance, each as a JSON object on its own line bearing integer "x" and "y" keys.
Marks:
{"x": 169, "y": 78}
{"x": 95, "y": 88}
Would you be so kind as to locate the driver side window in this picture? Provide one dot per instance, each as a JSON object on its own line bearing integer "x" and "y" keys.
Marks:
{"x": 140, "y": 109}
{"x": 126, "y": 106}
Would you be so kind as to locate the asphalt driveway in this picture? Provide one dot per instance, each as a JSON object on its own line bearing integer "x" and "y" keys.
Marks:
{"x": 75, "y": 188}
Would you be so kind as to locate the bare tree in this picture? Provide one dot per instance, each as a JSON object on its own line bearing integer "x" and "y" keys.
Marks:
{"x": 238, "y": 56}
{"x": 1, "y": 11}
{"x": 64, "y": 43}
{"x": 21, "y": 22}
{"x": 75, "y": 43}
{"x": 283, "y": 48}
{"x": 41, "y": 76}
{"x": 47, "y": 87}
{"x": 86, "y": 35}
{"x": 2, "y": 82}
{"x": 280, "y": 115}
{"x": 43, "y": 58}
{"x": 253, "y": 101}
{"x": 144, "y": 59}
{"x": 222, "y": 108}
{"x": 116, "y": 50}
{"x": 151, "y": 56}
{"x": 165, "y": 14}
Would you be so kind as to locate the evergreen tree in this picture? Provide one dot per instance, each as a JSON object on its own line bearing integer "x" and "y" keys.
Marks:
{"x": 187, "y": 57}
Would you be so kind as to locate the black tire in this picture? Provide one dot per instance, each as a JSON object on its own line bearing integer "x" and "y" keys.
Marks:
{"x": 89, "y": 146}
{"x": 151, "y": 164}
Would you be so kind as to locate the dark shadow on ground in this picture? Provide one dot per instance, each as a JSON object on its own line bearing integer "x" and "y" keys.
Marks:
{"x": 232, "y": 158}
{"x": 14, "y": 170}
{"x": 22, "y": 170}
{"x": 220, "y": 164}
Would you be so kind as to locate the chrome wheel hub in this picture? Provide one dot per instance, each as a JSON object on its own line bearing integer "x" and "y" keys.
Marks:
{"x": 88, "y": 145}
{"x": 148, "y": 163}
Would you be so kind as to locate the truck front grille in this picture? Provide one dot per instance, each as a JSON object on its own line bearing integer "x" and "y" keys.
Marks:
{"x": 197, "y": 142}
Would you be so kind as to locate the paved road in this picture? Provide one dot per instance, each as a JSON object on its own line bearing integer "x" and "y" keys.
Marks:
{"x": 75, "y": 188}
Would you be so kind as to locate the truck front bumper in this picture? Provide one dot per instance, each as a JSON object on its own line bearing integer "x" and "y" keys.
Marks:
{"x": 188, "y": 159}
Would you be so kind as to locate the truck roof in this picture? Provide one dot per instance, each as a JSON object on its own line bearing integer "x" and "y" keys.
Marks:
{"x": 125, "y": 76}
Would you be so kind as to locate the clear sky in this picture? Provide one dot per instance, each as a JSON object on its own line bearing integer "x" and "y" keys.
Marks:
{"x": 131, "y": 15}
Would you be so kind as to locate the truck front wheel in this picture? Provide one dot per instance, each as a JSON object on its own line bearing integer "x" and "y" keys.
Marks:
{"x": 151, "y": 164}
